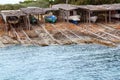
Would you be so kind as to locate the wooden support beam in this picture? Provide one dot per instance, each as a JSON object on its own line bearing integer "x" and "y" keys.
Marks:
{"x": 67, "y": 16}
{"x": 74, "y": 41}
{"x": 38, "y": 33}
{"x": 105, "y": 17}
{"x": 28, "y": 22}
{"x": 89, "y": 16}
{"x": 18, "y": 37}
{"x": 72, "y": 32}
{"x": 110, "y": 16}
{"x": 97, "y": 35}
{"x": 26, "y": 35}
{"x": 43, "y": 27}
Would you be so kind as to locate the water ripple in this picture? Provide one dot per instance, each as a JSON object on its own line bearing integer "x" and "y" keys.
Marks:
{"x": 70, "y": 62}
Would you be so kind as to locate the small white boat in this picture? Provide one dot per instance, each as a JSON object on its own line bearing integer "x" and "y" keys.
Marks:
{"x": 115, "y": 15}
{"x": 93, "y": 19}
{"x": 74, "y": 18}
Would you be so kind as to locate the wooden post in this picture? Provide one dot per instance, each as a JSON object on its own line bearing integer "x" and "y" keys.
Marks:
{"x": 41, "y": 18}
{"x": 110, "y": 16}
{"x": 89, "y": 17}
{"x": 38, "y": 16}
{"x": 6, "y": 28}
{"x": 86, "y": 17}
{"x": 105, "y": 17}
{"x": 67, "y": 16}
{"x": 63, "y": 13}
{"x": 28, "y": 22}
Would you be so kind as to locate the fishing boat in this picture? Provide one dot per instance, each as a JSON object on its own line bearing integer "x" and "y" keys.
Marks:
{"x": 74, "y": 19}
{"x": 93, "y": 19}
{"x": 51, "y": 19}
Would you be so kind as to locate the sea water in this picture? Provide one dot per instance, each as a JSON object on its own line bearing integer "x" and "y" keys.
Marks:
{"x": 70, "y": 62}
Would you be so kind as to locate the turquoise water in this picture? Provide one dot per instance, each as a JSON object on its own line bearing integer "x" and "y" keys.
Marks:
{"x": 71, "y": 62}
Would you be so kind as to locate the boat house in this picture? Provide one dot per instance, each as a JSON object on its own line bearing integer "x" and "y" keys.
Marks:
{"x": 67, "y": 12}
{"x": 94, "y": 12}
{"x": 14, "y": 18}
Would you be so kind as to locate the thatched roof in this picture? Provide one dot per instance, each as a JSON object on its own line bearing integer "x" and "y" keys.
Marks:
{"x": 50, "y": 9}
{"x": 105, "y": 7}
{"x": 33, "y": 10}
{"x": 65, "y": 6}
{"x": 12, "y": 13}
{"x": 6, "y": 13}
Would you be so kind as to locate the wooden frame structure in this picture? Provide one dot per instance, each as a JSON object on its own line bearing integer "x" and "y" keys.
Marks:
{"x": 107, "y": 8}
{"x": 65, "y": 9}
{"x": 10, "y": 13}
{"x": 36, "y": 11}
{"x": 32, "y": 11}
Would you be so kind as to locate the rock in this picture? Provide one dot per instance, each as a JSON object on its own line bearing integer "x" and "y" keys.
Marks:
{"x": 8, "y": 40}
{"x": 31, "y": 34}
{"x": 1, "y": 44}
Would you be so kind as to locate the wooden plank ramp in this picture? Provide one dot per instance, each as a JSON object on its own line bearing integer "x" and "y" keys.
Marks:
{"x": 43, "y": 27}
{"x": 37, "y": 32}
{"x": 63, "y": 33}
{"x": 111, "y": 31}
{"x": 17, "y": 35}
{"x": 107, "y": 27}
{"x": 72, "y": 32}
{"x": 40, "y": 36}
{"x": 90, "y": 31}
{"x": 104, "y": 33}
{"x": 28, "y": 38}
{"x": 103, "y": 36}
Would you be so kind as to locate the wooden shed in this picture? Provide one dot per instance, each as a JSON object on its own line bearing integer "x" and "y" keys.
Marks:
{"x": 14, "y": 18}
{"x": 66, "y": 10}
{"x": 106, "y": 10}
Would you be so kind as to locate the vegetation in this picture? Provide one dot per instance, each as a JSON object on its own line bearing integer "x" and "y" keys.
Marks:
{"x": 96, "y": 2}
{"x": 45, "y": 3}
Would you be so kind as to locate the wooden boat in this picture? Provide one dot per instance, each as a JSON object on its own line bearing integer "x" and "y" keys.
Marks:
{"x": 93, "y": 19}
{"x": 51, "y": 19}
{"x": 116, "y": 16}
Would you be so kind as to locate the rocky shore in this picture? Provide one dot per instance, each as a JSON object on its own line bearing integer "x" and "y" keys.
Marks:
{"x": 60, "y": 34}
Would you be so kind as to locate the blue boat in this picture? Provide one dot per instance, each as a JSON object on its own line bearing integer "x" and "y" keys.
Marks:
{"x": 51, "y": 19}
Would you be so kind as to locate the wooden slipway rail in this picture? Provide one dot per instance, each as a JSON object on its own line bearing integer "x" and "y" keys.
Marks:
{"x": 43, "y": 26}
{"x": 103, "y": 36}
{"x": 95, "y": 34}
{"x": 106, "y": 34}
{"x": 18, "y": 37}
{"x": 38, "y": 33}
{"x": 111, "y": 29}
{"x": 26, "y": 35}
{"x": 28, "y": 38}
{"x": 72, "y": 32}
{"x": 63, "y": 33}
